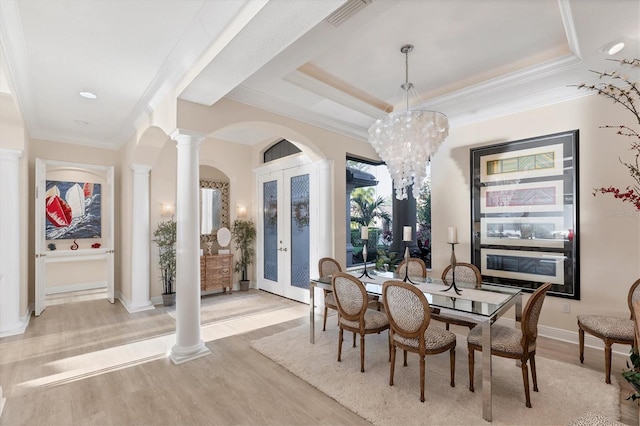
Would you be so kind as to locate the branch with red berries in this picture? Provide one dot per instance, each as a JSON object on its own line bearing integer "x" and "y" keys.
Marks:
{"x": 623, "y": 90}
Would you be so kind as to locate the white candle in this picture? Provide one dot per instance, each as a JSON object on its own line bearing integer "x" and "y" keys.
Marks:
{"x": 364, "y": 233}
{"x": 406, "y": 233}
{"x": 453, "y": 234}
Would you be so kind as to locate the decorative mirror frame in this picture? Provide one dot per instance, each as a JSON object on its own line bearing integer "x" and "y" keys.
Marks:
{"x": 224, "y": 214}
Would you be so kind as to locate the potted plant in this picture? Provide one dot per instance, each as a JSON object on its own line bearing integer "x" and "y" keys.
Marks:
{"x": 165, "y": 237}
{"x": 243, "y": 233}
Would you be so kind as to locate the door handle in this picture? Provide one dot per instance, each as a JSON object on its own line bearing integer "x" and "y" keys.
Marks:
{"x": 282, "y": 249}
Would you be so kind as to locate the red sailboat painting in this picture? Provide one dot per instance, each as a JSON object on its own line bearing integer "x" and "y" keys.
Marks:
{"x": 57, "y": 210}
{"x": 72, "y": 209}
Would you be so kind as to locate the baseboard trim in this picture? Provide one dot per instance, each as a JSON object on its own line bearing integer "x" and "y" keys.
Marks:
{"x": 75, "y": 287}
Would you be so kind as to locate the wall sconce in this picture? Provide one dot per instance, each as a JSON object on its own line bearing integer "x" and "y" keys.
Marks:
{"x": 167, "y": 209}
{"x": 241, "y": 212}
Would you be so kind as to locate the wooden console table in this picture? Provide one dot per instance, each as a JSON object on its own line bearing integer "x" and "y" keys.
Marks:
{"x": 216, "y": 272}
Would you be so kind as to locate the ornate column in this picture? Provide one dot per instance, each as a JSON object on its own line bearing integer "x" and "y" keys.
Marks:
{"x": 10, "y": 322}
{"x": 140, "y": 239}
{"x": 188, "y": 345}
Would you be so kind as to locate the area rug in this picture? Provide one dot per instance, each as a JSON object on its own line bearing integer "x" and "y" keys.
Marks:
{"x": 566, "y": 391}
{"x": 224, "y": 306}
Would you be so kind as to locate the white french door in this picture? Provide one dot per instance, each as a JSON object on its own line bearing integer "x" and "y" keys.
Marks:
{"x": 286, "y": 220}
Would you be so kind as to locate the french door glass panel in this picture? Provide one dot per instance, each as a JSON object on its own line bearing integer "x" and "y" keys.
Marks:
{"x": 299, "y": 231}
{"x": 270, "y": 230}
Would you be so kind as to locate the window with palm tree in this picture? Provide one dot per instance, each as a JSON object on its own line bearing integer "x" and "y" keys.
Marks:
{"x": 370, "y": 189}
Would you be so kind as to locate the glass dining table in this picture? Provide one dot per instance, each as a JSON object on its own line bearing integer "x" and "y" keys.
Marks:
{"x": 482, "y": 304}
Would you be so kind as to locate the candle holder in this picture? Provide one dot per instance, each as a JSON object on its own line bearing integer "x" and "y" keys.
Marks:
{"x": 453, "y": 270}
{"x": 364, "y": 255}
{"x": 406, "y": 263}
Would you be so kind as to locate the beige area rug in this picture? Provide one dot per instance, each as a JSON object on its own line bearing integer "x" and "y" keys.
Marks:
{"x": 224, "y": 306}
{"x": 566, "y": 391}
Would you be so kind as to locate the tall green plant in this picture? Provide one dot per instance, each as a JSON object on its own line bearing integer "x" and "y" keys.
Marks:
{"x": 165, "y": 237}
{"x": 243, "y": 233}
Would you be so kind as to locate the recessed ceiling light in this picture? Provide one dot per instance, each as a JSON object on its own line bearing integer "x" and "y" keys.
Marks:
{"x": 88, "y": 95}
{"x": 613, "y": 47}
{"x": 81, "y": 122}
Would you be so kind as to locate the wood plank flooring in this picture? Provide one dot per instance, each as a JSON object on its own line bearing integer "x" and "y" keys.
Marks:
{"x": 234, "y": 385}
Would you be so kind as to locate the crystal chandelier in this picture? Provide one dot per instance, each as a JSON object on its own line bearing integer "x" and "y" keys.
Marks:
{"x": 406, "y": 140}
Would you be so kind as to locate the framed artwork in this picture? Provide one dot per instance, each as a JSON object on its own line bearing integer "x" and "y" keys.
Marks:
{"x": 524, "y": 213}
{"x": 73, "y": 210}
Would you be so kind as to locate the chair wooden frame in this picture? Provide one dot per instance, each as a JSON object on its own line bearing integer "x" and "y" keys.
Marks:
{"x": 529, "y": 327}
{"x": 456, "y": 321}
{"x": 323, "y": 273}
{"x": 419, "y": 334}
{"x": 414, "y": 264}
{"x": 608, "y": 340}
{"x": 359, "y": 317}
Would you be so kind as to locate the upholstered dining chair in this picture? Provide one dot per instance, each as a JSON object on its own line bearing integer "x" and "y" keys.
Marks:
{"x": 416, "y": 268}
{"x": 610, "y": 329}
{"x": 354, "y": 315}
{"x": 328, "y": 266}
{"x": 409, "y": 318}
{"x": 509, "y": 342}
{"x": 464, "y": 272}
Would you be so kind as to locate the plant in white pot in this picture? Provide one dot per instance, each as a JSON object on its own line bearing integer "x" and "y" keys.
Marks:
{"x": 243, "y": 233}
{"x": 165, "y": 237}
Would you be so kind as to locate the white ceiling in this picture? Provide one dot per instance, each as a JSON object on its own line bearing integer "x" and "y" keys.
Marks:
{"x": 472, "y": 60}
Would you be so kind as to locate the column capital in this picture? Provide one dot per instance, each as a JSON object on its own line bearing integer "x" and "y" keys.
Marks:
{"x": 181, "y": 136}
{"x": 141, "y": 168}
{"x": 10, "y": 154}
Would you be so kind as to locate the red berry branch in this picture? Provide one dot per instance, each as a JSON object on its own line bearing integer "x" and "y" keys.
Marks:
{"x": 623, "y": 90}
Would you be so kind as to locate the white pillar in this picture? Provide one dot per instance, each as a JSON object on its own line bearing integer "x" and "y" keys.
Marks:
{"x": 326, "y": 209}
{"x": 188, "y": 345}
{"x": 10, "y": 322}
{"x": 140, "y": 241}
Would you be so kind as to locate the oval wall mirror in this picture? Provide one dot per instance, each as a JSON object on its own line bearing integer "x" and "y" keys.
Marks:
{"x": 224, "y": 237}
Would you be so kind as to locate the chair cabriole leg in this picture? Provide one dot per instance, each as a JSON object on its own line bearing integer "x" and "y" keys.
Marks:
{"x": 581, "y": 343}
{"x": 324, "y": 322}
{"x": 393, "y": 364}
{"x": 534, "y": 376}
{"x": 525, "y": 379}
{"x": 607, "y": 361}
{"x": 422, "y": 372}
{"x": 471, "y": 366}
{"x": 340, "y": 344}
{"x": 362, "y": 353}
{"x": 452, "y": 360}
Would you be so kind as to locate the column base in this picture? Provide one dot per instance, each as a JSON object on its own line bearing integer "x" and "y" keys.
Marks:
{"x": 2, "y": 401}
{"x": 139, "y": 308}
{"x": 179, "y": 355}
{"x": 17, "y": 327}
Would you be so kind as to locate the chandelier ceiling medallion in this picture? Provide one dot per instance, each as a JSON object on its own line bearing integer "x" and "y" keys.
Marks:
{"x": 406, "y": 140}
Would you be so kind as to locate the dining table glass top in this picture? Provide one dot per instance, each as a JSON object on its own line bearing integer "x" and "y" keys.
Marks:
{"x": 485, "y": 300}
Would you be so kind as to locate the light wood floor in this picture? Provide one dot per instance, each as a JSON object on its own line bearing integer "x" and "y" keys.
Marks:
{"x": 44, "y": 378}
